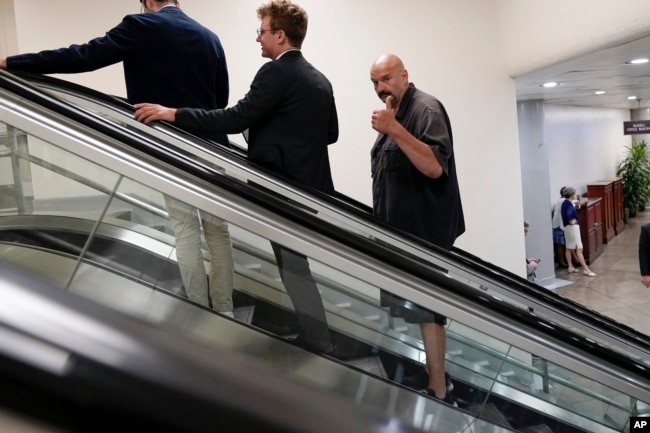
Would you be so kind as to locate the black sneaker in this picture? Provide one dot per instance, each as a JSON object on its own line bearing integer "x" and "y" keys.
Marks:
{"x": 448, "y": 399}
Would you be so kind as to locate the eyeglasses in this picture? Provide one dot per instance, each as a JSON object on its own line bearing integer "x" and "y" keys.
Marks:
{"x": 260, "y": 32}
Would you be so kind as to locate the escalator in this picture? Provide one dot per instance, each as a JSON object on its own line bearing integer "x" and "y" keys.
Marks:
{"x": 81, "y": 205}
{"x": 68, "y": 364}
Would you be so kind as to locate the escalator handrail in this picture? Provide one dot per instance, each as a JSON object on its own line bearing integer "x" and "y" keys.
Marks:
{"x": 111, "y": 100}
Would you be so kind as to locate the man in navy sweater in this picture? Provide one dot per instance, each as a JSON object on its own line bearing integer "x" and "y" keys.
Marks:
{"x": 171, "y": 59}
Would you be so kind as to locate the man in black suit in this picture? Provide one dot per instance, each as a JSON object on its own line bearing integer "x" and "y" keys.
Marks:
{"x": 644, "y": 254}
{"x": 291, "y": 117}
{"x": 168, "y": 58}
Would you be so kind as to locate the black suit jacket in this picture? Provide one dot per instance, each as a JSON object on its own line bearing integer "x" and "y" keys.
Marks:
{"x": 168, "y": 58}
{"x": 291, "y": 117}
{"x": 644, "y": 250}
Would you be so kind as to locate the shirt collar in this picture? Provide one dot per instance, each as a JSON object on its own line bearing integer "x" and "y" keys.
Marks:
{"x": 406, "y": 101}
{"x": 284, "y": 52}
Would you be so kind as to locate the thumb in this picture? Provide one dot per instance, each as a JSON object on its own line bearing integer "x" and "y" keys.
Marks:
{"x": 389, "y": 103}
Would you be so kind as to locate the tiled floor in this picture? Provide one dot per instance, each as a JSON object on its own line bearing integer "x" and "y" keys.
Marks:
{"x": 616, "y": 291}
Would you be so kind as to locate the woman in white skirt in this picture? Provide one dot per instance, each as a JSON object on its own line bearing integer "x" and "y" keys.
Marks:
{"x": 572, "y": 232}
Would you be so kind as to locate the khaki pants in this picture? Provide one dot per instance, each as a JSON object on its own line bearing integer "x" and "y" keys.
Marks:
{"x": 187, "y": 230}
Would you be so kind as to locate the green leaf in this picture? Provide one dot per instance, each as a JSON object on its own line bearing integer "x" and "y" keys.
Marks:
{"x": 634, "y": 169}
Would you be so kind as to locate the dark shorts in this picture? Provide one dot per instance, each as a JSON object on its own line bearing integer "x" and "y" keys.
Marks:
{"x": 407, "y": 310}
{"x": 558, "y": 236}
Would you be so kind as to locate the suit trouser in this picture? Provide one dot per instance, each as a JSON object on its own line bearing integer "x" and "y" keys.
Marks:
{"x": 307, "y": 302}
{"x": 187, "y": 230}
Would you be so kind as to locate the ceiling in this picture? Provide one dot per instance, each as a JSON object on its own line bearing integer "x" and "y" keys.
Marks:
{"x": 580, "y": 77}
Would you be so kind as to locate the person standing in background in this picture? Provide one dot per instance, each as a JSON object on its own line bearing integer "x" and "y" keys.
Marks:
{"x": 168, "y": 58}
{"x": 644, "y": 254}
{"x": 414, "y": 188}
{"x": 572, "y": 232}
{"x": 531, "y": 262}
{"x": 558, "y": 231}
{"x": 291, "y": 119}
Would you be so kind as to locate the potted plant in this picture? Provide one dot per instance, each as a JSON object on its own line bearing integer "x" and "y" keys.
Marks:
{"x": 635, "y": 171}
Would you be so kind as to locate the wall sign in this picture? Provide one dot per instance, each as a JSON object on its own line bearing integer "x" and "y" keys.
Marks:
{"x": 636, "y": 127}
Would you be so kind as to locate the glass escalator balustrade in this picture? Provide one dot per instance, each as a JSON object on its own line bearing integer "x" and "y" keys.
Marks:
{"x": 118, "y": 112}
{"x": 107, "y": 237}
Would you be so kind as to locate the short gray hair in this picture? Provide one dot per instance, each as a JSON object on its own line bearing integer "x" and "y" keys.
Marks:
{"x": 569, "y": 192}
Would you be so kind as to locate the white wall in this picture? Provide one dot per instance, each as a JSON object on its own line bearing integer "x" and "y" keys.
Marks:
{"x": 7, "y": 44}
{"x": 45, "y": 25}
{"x": 451, "y": 49}
{"x": 584, "y": 145}
{"x": 7, "y": 28}
{"x": 540, "y": 33}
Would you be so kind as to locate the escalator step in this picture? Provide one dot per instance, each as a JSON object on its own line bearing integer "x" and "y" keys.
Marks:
{"x": 372, "y": 365}
{"x": 490, "y": 412}
{"x": 245, "y": 314}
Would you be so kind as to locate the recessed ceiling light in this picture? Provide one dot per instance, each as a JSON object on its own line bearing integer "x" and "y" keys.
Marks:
{"x": 631, "y": 97}
{"x": 638, "y": 61}
{"x": 599, "y": 92}
{"x": 550, "y": 84}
